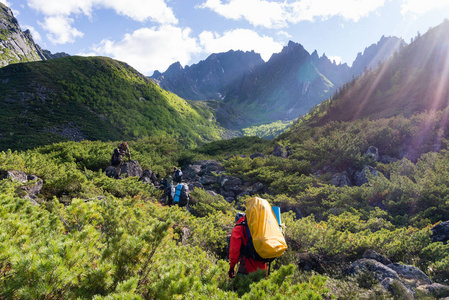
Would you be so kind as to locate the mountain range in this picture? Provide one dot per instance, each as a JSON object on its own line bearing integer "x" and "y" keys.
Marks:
{"x": 45, "y": 99}
{"x": 288, "y": 85}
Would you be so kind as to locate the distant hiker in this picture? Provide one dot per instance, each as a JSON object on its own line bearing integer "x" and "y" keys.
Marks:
{"x": 166, "y": 186}
{"x": 118, "y": 158}
{"x": 177, "y": 175}
{"x": 239, "y": 240}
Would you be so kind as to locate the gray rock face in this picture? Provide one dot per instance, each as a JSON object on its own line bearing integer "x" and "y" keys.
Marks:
{"x": 370, "y": 254}
{"x": 410, "y": 272}
{"x": 436, "y": 290}
{"x": 398, "y": 289}
{"x": 32, "y": 184}
{"x": 373, "y": 152}
{"x": 19, "y": 45}
{"x": 440, "y": 232}
{"x": 280, "y": 151}
{"x": 132, "y": 169}
{"x": 377, "y": 269}
{"x": 257, "y": 154}
{"x": 341, "y": 180}
{"x": 361, "y": 177}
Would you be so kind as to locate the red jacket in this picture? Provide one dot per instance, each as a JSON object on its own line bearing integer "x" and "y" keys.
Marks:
{"x": 239, "y": 238}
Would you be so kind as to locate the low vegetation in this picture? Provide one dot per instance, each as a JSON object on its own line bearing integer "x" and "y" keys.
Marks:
{"x": 96, "y": 237}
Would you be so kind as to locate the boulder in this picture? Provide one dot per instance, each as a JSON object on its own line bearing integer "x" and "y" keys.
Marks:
{"x": 373, "y": 152}
{"x": 370, "y": 254}
{"x": 14, "y": 175}
{"x": 410, "y": 272}
{"x": 397, "y": 289}
{"x": 32, "y": 184}
{"x": 148, "y": 176}
{"x": 132, "y": 169}
{"x": 436, "y": 290}
{"x": 110, "y": 171}
{"x": 377, "y": 269}
{"x": 361, "y": 178}
{"x": 231, "y": 184}
{"x": 208, "y": 179}
{"x": 257, "y": 154}
{"x": 33, "y": 189}
{"x": 341, "y": 180}
{"x": 440, "y": 232}
{"x": 280, "y": 151}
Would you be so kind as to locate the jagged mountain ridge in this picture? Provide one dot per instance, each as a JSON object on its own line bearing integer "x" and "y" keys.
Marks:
{"x": 209, "y": 78}
{"x": 285, "y": 87}
{"x": 413, "y": 80}
{"x": 17, "y": 45}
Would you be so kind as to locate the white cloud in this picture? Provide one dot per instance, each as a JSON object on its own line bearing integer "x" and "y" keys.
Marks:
{"x": 257, "y": 12}
{"x": 421, "y": 7}
{"x": 239, "y": 39}
{"x": 36, "y": 35}
{"x": 272, "y": 14}
{"x": 59, "y": 12}
{"x": 336, "y": 59}
{"x": 6, "y": 3}
{"x": 348, "y": 9}
{"x": 149, "y": 49}
{"x": 60, "y": 30}
{"x": 138, "y": 10}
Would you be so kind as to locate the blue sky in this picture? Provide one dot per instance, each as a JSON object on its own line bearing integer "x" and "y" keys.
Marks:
{"x": 152, "y": 34}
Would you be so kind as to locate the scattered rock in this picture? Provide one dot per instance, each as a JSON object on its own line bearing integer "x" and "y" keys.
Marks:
{"x": 132, "y": 169}
{"x": 14, "y": 175}
{"x": 148, "y": 176}
{"x": 410, "y": 272}
{"x": 370, "y": 254}
{"x": 398, "y": 289}
{"x": 436, "y": 290}
{"x": 257, "y": 154}
{"x": 361, "y": 178}
{"x": 280, "y": 151}
{"x": 32, "y": 184}
{"x": 373, "y": 152}
{"x": 440, "y": 232}
{"x": 341, "y": 180}
{"x": 377, "y": 269}
{"x": 309, "y": 262}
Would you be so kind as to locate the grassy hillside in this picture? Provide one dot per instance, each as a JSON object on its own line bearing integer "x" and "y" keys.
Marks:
{"x": 95, "y": 98}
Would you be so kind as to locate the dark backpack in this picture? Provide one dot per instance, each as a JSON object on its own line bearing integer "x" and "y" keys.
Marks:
{"x": 181, "y": 196}
{"x": 177, "y": 175}
{"x": 115, "y": 157}
{"x": 248, "y": 250}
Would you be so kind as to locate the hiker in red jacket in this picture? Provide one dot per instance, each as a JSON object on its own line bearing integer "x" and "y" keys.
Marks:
{"x": 239, "y": 240}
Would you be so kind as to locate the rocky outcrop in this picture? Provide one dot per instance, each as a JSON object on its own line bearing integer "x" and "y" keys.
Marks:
{"x": 440, "y": 232}
{"x": 400, "y": 280}
{"x": 32, "y": 184}
{"x": 16, "y": 45}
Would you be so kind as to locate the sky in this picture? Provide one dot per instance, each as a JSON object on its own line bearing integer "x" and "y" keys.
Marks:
{"x": 150, "y": 35}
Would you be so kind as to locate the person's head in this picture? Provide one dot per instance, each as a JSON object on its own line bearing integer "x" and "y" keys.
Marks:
{"x": 238, "y": 216}
{"x": 123, "y": 145}
{"x": 175, "y": 168}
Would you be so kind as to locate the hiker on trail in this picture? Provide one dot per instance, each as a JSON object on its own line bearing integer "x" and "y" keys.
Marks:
{"x": 120, "y": 152}
{"x": 239, "y": 239}
{"x": 177, "y": 175}
{"x": 166, "y": 186}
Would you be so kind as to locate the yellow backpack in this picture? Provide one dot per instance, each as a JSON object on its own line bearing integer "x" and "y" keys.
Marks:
{"x": 267, "y": 237}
